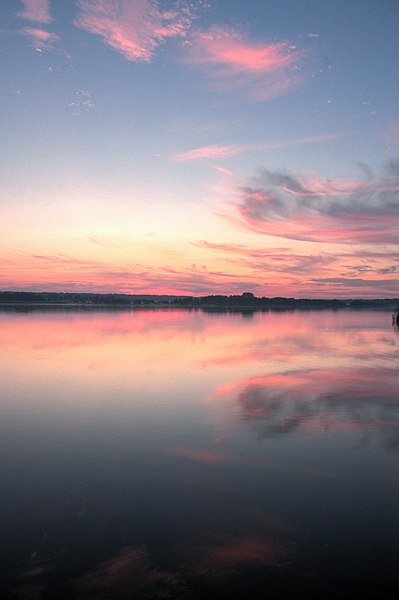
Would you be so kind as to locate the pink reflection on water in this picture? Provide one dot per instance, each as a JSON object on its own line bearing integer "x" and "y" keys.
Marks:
{"x": 187, "y": 357}
{"x": 245, "y": 550}
{"x": 204, "y": 456}
{"x": 259, "y": 538}
{"x": 218, "y": 457}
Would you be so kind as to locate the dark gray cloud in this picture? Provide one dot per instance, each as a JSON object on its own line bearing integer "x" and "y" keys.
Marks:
{"x": 359, "y": 211}
{"x": 347, "y": 283}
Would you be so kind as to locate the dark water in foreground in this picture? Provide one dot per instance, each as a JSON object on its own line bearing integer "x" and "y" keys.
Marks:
{"x": 185, "y": 455}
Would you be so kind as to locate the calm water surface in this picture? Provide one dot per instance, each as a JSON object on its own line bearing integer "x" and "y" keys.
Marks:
{"x": 189, "y": 455}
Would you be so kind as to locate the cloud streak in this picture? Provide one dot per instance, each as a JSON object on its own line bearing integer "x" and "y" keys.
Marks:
{"x": 207, "y": 152}
{"x": 345, "y": 272}
{"x": 223, "y": 151}
{"x": 63, "y": 272}
{"x": 135, "y": 28}
{"x": 304, "y": 208}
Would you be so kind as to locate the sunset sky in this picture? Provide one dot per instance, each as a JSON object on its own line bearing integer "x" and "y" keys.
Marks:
{"x": 194, "y": 147}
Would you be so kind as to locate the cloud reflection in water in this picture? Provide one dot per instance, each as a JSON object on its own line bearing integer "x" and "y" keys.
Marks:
{"x": 360, "y": 401}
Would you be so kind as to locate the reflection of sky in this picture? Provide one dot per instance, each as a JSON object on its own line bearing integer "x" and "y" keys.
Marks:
{"x": 153, "y": 450}
{"x": 284, "y": 370}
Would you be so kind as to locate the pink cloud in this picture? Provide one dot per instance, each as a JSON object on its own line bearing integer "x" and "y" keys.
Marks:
{"x": 206, "y": 152}
{"x": 135, "y": 28}
{"x": 228, "y": 49}
{"x": 233, "y": 62}
{"x": 42, "y": 39}
{"x": 37, "y": 11}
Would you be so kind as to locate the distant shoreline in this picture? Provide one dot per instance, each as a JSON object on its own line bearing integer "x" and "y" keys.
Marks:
{"x": 244, "y": 302}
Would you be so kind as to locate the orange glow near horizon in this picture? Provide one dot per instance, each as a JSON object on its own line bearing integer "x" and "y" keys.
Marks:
{"x": 200, "y": 269}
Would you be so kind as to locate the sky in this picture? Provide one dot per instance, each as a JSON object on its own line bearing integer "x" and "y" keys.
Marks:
{"x": 195, "y": 147}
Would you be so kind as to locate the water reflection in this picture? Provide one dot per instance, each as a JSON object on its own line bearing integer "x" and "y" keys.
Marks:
{"x": 212, "y": 560}
{"x": 363, "y": 401}
{"x": 178, "y": 454}
{"x": 129, "y": 574}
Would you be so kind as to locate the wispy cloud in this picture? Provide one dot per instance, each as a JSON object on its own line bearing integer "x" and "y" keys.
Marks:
{"x": 213, "y": 268}
{"x": 207, "y": 152}
{"x": 302, "y": 141}
{"x": 355, "y": 286}
{"x": 313, "y": 209}
{"x": 135, "y": 28}
{"x": 273, "y": 260}
{"x": 224, "y": 170}
{"x": 41, "y": 39}
{"x": 316, "y": 274}
{"x": 226, "y": 55}
{"x": 81, "y": 102}
{"x": 222, "y": 151}
{"x": 62, "y": 272}
{"x": 37, "y": 11}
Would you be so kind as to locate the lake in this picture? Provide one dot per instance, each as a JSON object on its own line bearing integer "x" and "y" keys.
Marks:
{"x": 192, "y": 455}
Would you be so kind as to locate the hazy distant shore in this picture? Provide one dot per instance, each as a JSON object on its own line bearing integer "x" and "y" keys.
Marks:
{"x": 246, "y": 301}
